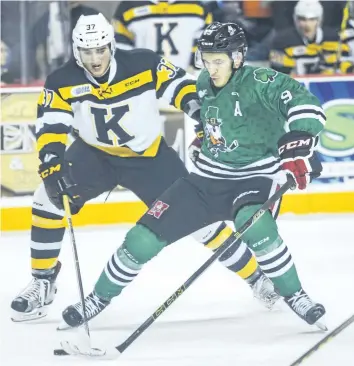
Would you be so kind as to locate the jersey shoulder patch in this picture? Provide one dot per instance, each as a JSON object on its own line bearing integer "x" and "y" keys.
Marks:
{"x": 265, "y": 75}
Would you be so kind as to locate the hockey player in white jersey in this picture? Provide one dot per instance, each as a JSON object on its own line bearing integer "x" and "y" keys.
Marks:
{"x": 170, "y": 28}
{"x": 108, "y": 98}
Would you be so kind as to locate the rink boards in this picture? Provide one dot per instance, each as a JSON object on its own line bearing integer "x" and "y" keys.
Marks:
{"x": 333, "y": 193}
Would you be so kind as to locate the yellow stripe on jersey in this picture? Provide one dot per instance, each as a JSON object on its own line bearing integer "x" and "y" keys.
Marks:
{"x": 280, "y": 58}
{"x": 344, "y": 66}
{"x": 209, "y": 19}
{"x": 43, "y": 263}
{"x": 163, "y": 8}
{"x": 47, "y": 223}
{"x": 333, "y": 46}
{"x": 106, "y": 91}
{"x": 311, "y": 50}
{"x": 248, "y": 269}
{"x": 48, "y": 138}
{"x": 55, "y": 101}
{"x": 184, "y": 91}
{"x": 125, "y": 152}
{"x": 220, "y": 238}
{"x": 121, "y": 29}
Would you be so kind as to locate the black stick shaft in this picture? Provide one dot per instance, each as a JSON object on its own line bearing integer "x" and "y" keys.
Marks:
{"x": 76, "y": 259}
{"x": 232, "y": 240}
{"x": 326, "y": 339}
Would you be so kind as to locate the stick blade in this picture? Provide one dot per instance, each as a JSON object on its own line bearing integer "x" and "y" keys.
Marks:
{"x": 69, "y": 348}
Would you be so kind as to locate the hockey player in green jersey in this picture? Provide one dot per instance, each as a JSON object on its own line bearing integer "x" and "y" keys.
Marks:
{"x": 256, "y": 126}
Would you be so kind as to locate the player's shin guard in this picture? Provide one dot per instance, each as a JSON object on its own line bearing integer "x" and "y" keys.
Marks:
{"x": 272, "y": 254}
{"x": 140, "y": 245}
{"x": 47, "y": 232}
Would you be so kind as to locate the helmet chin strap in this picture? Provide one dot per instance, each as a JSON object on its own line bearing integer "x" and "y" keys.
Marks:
{"x": 94, "y": 77}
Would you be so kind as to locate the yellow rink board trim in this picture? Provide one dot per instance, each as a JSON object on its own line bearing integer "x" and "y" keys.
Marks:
{"x": 19, "y": 218}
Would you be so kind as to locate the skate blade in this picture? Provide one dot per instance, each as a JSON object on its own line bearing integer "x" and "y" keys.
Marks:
{"x": 72, "y": 349}
{"x": 18, "y": 317}
{"x": 321, "y": 326}
{"x": 64, "y": 326}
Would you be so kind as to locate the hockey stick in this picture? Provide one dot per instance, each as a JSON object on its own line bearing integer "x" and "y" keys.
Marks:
{"x": 114, "y": 352}
{"x": 77, "y": 264}
{"x": 323, "y": 341}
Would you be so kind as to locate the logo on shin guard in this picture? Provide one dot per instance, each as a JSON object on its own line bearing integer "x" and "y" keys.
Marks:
{"x": 264, "y": 240}
{"x": 158, "y": 209}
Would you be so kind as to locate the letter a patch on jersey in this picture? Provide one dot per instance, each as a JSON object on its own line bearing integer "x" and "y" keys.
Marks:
{"x": 158, "y": 209}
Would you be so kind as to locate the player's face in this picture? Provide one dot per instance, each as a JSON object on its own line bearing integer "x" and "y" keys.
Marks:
{"x": 307, "y": 26}
{"x": 96, "y": 60}
{"x": 219, "y": 66}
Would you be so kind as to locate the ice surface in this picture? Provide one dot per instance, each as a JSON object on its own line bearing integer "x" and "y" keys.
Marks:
{"x": 216, "y": 322}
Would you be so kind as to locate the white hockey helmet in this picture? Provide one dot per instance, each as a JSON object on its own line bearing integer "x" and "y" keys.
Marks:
{"x": 92, "y": 31}
{"x": 308, "y": 9}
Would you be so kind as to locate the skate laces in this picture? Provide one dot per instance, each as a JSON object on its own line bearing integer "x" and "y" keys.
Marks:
{"x": 93, "y": 305}
{"x": 35, "y": 291}
{"x": 300, "y": 302}
{"x": 263, "y": 290}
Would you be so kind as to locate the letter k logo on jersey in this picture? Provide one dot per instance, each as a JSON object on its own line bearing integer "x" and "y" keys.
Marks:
{"x": 158, "y": 209}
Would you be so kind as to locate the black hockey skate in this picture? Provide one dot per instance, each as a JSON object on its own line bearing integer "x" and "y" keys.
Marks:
{"x": 301, "y": 304}
{"x": 73, "y": 314}
{"x": 32, "y": 302}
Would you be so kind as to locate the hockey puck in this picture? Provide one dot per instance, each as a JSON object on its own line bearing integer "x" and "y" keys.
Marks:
{"x": 60, "y": 352}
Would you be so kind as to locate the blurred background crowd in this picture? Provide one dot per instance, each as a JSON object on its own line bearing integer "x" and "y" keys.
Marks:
{"x": 295, "y": 37}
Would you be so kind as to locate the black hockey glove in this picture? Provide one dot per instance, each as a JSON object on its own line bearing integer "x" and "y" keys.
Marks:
{"x": 296, "y": 150}
{"x": 58, "y": 182}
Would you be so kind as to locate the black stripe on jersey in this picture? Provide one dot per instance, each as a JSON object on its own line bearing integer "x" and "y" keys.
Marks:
{"x": 314, "y": 58}
{"x": 111, "y": 98}
{"x": 308, "y": 110}
{"x": 164, "y": 16}
{"x": 45, "y": 214}
{"x": 57, "y": 128}
{"x": 240, "y": 170}
{"x": 44, "y": 254}
{"x": 187, "y": 97}
{"x": 40, "y": 235}
{"x": 273, "y": 259}
{"x": 233, "y": 177}
{"x": 41, "y": 110}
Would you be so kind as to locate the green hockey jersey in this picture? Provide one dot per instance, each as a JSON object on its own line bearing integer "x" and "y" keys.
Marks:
{"x": 244, "y": 120}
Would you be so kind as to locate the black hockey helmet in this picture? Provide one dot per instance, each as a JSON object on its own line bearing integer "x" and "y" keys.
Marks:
{"x": 221, "y": 38}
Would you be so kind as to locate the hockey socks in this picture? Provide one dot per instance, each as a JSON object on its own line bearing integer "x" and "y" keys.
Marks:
{"x": 272, "y": 254}
{"x": 140, "y": 245}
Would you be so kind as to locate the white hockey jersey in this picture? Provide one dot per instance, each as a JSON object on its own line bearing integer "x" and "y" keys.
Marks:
{"x": 120, "y": 116}
{"x": 170, "y": 28}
